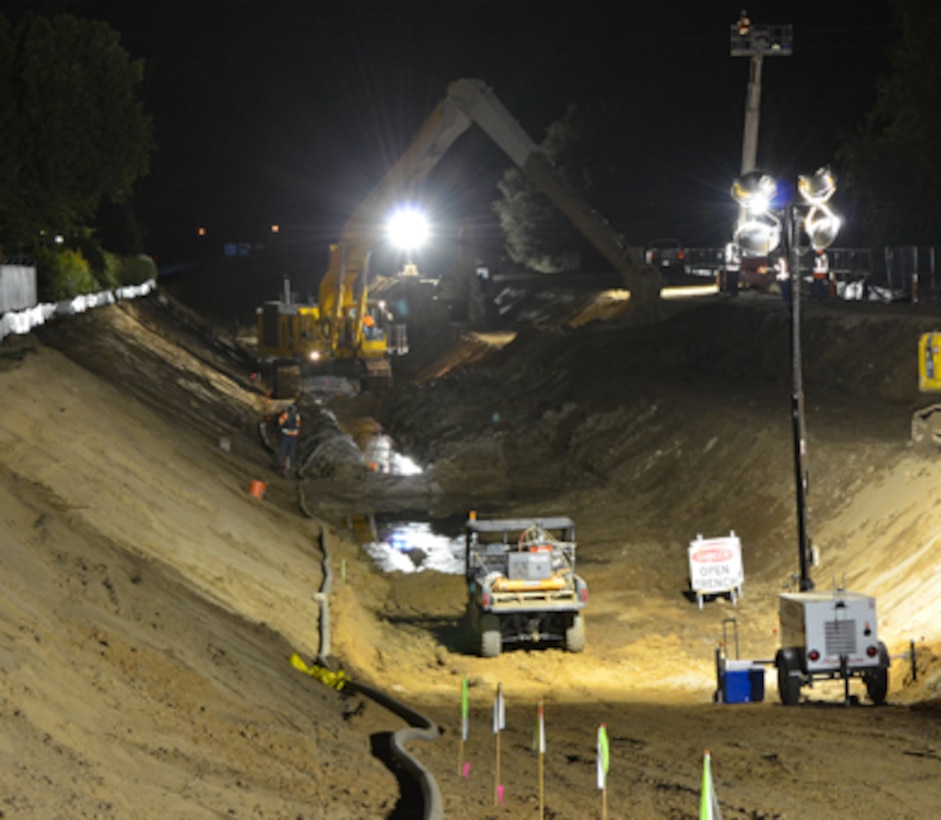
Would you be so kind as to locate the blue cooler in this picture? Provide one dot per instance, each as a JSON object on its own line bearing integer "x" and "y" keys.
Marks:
{"x": 742, "y": 682}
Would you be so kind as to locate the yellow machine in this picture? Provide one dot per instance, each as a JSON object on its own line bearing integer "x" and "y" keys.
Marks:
{"x": 353, "y": 341}
{"x": 334, "y": 330}
{"x": 926, "y": 421}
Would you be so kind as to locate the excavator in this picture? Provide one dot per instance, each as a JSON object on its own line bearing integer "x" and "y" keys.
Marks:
{"x": 336, "y": 330}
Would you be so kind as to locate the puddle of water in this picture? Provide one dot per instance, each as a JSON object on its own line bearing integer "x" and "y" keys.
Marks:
{"x": 382, "y": 457}
{"x": 414, "y": 546}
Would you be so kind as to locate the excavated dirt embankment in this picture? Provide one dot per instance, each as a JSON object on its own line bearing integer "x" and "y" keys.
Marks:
{"x": 151, "y": 602}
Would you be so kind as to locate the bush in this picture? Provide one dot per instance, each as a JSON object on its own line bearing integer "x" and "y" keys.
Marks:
{"x": 63, "y": 275}
{"x": 109, "y": 276}
{"x": 135, "y": 270}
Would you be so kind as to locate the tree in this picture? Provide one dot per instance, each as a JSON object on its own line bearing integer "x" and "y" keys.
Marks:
{"x": 73, "y": 132}
{"x": 536, "y": 233}
{"x": 891, "y": 163}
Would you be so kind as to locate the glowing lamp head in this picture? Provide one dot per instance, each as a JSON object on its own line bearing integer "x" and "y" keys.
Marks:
{"x": 754, "y": 192}
{"x": 818, "y": 187}
{"x": 821, "y": 224}
{"x": 408, "y": 228}
{"x": 757, "y": 234}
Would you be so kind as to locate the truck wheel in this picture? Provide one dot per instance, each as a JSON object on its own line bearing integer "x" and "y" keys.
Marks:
{"x": 491, "y": 640}
{"x": 575, "y": 635}
{"x": 789, "y": 685}
{"x": 877, "y": 681}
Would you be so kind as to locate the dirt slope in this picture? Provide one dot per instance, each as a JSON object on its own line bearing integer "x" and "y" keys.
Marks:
{"x": 149, "y": 602}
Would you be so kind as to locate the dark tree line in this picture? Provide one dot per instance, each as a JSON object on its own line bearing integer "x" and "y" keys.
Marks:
{"x": 888, "y": 166}
{"x": 74, "y": 137}
{"x": 892, "y": 162}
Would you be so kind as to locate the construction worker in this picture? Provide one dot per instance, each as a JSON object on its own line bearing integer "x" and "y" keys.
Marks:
{"x": 733, "y": 267}
{"x": 820, "y": 287}
{"x": 369, "y": 326}
{"x": 289, "y": 423}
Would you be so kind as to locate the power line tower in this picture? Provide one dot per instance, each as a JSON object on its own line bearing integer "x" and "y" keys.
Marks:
{"x": 757, "y": 42}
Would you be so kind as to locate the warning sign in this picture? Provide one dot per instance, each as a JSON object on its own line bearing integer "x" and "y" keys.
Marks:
{"x": 715, "y": 566}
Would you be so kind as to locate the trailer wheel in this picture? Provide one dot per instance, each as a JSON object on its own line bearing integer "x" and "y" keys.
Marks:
{"x": 789, "y": 685}
{"x": 491, "y": 640}
{"x": 877, "y": 681}
{"x": 575, "y": 635}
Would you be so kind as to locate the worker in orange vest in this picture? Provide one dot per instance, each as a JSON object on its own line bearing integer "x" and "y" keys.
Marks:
{"x": 290, "y": 424}
{"x": 821, "y": 274}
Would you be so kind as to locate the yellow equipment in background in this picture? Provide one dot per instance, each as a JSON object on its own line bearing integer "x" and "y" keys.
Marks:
{"x": 303, "y": 340}
{"x": 926, "y": 421}
{"x": 334, "y": 328}
{"x": 929, "y": 363}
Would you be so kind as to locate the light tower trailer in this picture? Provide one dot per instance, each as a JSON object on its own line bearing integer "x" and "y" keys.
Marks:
{"x": 830, "y": 636}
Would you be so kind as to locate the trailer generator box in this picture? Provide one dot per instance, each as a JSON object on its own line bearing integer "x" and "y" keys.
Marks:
{"x": 831, "y": 628}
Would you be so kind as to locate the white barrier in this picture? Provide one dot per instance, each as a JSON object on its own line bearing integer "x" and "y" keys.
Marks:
{"x": 23, "y": 321}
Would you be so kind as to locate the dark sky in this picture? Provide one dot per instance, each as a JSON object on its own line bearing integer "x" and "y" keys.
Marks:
{"x": 289, "y": 112}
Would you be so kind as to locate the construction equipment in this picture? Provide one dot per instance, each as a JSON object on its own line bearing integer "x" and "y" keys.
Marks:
{"x": 830, "y": 635}
{"x": 333, "y": 329}
{"x": 521, "y": 583}
{"x": 926, "y": 421}
{"x": 298, "y": 339}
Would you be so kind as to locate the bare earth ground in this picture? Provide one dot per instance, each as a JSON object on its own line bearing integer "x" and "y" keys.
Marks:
{"x": 150, "y": 602}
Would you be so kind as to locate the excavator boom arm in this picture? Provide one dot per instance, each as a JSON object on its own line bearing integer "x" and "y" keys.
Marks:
{"x": 467, "y": 102}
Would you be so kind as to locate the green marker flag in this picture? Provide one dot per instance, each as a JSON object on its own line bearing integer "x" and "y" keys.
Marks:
{"x": 539, "y": 730}
{"x": 604, "y": 756}
{"x": 464, "y": 710}
{"x": 708, "y": 802}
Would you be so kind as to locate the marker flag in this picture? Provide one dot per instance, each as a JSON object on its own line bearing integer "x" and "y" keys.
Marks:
{"x": 464, "y": 709}
{"x": 708, "y": 802}
{"x": 604, "y": 757}
{"x": 539, "y": 735}
{"x": 499, "y": 710}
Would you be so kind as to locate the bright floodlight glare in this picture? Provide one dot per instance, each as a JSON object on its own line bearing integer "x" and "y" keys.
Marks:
{"x": 822, "y": 226}
{"x": 757, "y": 234}
{"x": 754, "y": 191}
{"x": 818, "y": 187}
{"x": 408, "y": 228}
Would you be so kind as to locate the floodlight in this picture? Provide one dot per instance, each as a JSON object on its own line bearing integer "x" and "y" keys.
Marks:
{"x": 408, "y": 228}
{"x": 818, "y": 187}
{"x": 821, "y": 226}
{"x": 757, "y": 234}
{"x": 754, "y": 191}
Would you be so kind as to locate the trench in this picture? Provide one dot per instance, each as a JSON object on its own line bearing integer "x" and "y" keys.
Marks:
{"x": 327, "y": 451}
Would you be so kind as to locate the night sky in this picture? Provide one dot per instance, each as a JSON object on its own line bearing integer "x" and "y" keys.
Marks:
{"x": 289, "y": 112}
